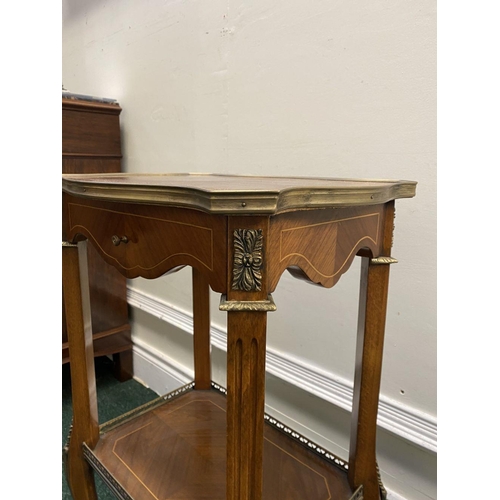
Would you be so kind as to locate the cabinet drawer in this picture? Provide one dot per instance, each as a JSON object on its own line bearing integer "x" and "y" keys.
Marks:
{"x": 90, "y": 133}
{"x": 91, "y": 130}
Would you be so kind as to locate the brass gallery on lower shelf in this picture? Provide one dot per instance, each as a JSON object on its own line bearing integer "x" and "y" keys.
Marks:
{"x": 120, "y": 493}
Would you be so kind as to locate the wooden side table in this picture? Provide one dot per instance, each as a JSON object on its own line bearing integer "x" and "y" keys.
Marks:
{"x": 239, "y": 234}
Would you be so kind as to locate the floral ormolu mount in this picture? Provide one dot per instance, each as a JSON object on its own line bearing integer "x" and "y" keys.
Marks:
{"x": 247, "y": 263}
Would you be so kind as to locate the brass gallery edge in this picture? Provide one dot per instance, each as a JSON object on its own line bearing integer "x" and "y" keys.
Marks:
{"x": 265, "y": 201}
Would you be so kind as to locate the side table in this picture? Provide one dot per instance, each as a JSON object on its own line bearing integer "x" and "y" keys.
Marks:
{"x": 239, "y": 234}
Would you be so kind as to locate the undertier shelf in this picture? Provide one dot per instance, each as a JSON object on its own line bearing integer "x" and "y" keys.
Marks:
{"x": 175, "y": 448}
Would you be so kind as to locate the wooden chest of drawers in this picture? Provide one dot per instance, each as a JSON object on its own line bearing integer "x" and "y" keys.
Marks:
{"x": 91, "y": 144}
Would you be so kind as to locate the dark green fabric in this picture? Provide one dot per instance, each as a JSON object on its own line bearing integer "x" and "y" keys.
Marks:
{"x": 113, "y": 399}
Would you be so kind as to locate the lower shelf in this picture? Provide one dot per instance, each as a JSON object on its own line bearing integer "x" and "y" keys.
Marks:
{"x": 175, "y": 448}
{"x": 112, "y": 341}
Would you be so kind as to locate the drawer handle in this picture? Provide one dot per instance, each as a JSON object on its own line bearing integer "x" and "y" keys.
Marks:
{"x": 117, "y": 240}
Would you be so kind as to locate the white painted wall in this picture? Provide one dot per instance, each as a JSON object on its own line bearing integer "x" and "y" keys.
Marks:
{"x": 327, "y": 88}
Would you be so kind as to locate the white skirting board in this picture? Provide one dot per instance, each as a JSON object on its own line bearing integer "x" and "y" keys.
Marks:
{"x": 163, "y": 374}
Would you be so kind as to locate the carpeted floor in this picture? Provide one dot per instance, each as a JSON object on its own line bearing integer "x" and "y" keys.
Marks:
{"x": 113, "y": 399}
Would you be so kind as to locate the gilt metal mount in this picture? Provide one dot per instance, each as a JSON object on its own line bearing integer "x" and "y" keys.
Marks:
{"x": 383, "y": 261}
{"x": 247, "y": 260}
{"x": 247, "y": 305}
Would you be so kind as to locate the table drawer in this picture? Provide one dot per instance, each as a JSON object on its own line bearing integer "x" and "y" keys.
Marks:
{"x": 146, "y": 243}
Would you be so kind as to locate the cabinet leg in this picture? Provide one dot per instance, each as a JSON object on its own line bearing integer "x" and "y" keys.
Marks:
{"x": 201, "y": 334}
{"x": 85, "y": 427}
{"x": 123, "y": 365}
{"x": 246, "y": 358}
{"x": 369, "y": 350}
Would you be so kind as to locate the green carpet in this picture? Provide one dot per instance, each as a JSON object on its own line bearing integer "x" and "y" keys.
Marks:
{"x": 113, "y": 399}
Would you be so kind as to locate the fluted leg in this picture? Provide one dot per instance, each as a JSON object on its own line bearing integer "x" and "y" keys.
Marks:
{"x": 246, "y": 359}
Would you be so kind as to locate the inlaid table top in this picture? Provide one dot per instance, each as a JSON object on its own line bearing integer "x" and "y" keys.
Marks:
{"x": 237, "y": 194}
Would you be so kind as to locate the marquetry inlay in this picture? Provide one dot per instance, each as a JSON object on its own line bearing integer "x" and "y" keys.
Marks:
{"x": 300, "y": 242}
{"x": 182, "y": 439}
{"x": 303, "y": 242}
{"x": 93, "y": 221}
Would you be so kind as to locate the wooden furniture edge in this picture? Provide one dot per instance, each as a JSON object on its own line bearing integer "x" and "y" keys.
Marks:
{"x": 240, "y": 202}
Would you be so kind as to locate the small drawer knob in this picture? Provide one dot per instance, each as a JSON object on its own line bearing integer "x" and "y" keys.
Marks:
{"x": 117, "y": 240}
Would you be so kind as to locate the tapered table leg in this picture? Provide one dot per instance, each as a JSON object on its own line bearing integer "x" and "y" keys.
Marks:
{"x": 201, "y": 333}
{"x": 246, "y": 358}
{"x": 369, "y": 350}
{"x": 85, "y": 427}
